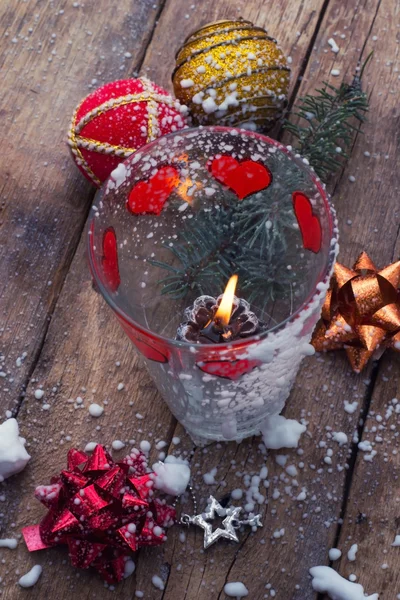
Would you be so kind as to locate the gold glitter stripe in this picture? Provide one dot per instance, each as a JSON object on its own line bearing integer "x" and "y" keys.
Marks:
{"x": 103, "y": 147}
{"x": 212, "y": 47}
{"x": 234, "y": 79}
{"x": 122, "y": 101}
{"x": 216, "y": 24}
{"x": 241, "y": 25}
{"x": 76, "y": 151}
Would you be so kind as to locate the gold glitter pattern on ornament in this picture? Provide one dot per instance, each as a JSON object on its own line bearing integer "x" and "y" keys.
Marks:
{"x": 232, "y": 72}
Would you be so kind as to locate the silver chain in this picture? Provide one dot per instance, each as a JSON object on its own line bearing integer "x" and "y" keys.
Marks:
{"x": 186, "y": 519}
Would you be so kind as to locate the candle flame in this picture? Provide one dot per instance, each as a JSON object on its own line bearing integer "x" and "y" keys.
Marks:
{"x": 224, "y": 311}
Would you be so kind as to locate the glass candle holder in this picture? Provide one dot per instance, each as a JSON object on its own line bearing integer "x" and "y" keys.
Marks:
{"x": 171, "y": 225}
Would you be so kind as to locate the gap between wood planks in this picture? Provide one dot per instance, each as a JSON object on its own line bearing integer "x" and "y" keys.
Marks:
{"x": 66, "y": 266}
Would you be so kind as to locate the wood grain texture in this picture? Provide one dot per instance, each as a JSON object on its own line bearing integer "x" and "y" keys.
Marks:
{"x": 80, "y": 351}
{"x": 51, "y": 55}
{"x": 84, "y": 343}
{"x": 372, "y": 514}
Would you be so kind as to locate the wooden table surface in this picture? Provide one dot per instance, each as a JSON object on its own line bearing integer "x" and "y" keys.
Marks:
{"x": 52, "y": 54}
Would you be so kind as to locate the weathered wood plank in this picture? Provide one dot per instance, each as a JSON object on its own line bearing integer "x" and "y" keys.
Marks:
{"x": 50, "y": 56}
{"x": 371, "y": 519}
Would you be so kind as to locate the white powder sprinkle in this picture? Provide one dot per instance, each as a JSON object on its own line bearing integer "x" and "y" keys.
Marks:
{"x": 145, "y": 446}
{"x": 95, "y": 410}
{"x": 187, "y": 83}
{"x": 333, "y": 45}
{"x": 157, "y": 582}
{"x": 10, "y": 543}
{"x": 209, "y": 106}
{"x": 117, "y": 445}
{"x": 396, "y": 542}
{"x": 90, "y": 446}
{"x": 29, "y": 579}
{"x": 129, "y": 568}
{"x": 340, "y": 438}
{"x": 39, "y": 394}
{"x": 236, "y": 589}
{"x": 209, "y": 478}
{"x": 350, "y": 407}
{"x": 334, "y": 554}
{"x": 351, "y": 555}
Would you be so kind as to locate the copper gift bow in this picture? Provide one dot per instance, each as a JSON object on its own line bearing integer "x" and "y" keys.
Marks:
{"x": 361, "y": 312}
{"x": 102, "y": 510}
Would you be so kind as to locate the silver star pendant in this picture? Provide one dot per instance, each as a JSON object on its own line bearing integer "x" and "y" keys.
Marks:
{"x": 230, "y": 523}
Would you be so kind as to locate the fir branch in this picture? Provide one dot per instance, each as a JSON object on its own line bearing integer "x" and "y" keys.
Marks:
{"x": 205, "y": 254}
{"x": 333, "y": 115}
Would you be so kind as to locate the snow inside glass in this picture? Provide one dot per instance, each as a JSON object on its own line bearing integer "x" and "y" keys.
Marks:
{"x": 169, "y": 228}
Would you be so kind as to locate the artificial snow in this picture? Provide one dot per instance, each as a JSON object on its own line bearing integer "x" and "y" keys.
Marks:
{"x": 172, "y": 476}
{"x": 90, "y": 446}
{"x": 209, "y": 106}
{"x": 396, "y": 542}
{"x": 278, "y": 432}
{"x": 145, "y": 446}
{"x": 117, "y": 445}
{"x": 327, "y": 580}
{"x": 95, "y": 410}
{"x": 334, "y": 554}
{"x": 187, "y": 83}
{"x": 29, "y": 579}
{"x": 351, "y": 555}
{"x": 236, "y": 589}
{"x": 333, "y": 45}
{"x": 117, "y": 177}
{"x": 340, "y": 438}
{"x": 129, "y": 568}
{"x": 157, "y": 582}
{"x": 10, "y": 543}
{"x": 209, "y": 478}
{"x": 350, "y": 407}
{"x": 13, "y": 456}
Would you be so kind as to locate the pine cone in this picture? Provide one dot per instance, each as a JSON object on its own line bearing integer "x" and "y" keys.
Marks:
{"x": 243, "y": 322}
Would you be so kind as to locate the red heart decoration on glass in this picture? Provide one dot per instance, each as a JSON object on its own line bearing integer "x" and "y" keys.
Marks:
{"x": 150, "y": 196}
{"x": 229, "y": 369}
{"x": 109, "y": 259}
{"x": 309, "y": 224}
{"x": 149, "y": 351}
{"x": 244, "y": 178}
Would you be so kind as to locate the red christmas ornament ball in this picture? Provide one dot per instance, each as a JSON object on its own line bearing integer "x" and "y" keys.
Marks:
{"x": 118, "y": 119}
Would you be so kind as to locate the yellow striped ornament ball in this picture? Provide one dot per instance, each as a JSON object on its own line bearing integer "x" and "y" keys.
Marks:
{"x": 232, "y": 73}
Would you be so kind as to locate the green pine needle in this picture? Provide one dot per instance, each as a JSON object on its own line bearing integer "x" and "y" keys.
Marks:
{"x": 332, "y": 116}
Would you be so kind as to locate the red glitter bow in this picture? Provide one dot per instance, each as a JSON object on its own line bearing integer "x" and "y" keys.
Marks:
{"x": 102, "y": 510}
